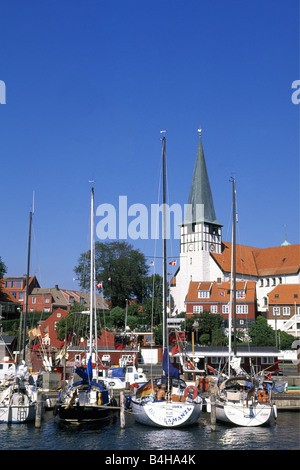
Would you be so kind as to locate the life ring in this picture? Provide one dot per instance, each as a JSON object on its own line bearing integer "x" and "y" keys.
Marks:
{"x": 193, "y": 389}
{"x": 262, "y": 396}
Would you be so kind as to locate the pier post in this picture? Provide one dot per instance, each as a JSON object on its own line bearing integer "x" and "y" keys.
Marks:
{"x": 39, "y": 409}
{"x": 213, "y": 412}
{"x": 122, "y": 410}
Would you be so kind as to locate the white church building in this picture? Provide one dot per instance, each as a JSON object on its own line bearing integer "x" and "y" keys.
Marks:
{"x": 204, "y": 256}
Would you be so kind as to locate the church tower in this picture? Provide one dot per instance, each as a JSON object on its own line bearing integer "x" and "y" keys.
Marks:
{"x": 200, "y": 234}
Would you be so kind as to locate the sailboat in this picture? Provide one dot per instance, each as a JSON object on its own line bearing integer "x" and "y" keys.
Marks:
{"x": 86, "y": 400}
{"x": 18, "y": 395}
{"x": 236, "y": 400}
{"x": 181, "y": 406}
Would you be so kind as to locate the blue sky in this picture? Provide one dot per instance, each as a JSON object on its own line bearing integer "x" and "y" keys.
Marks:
{"x": 89, "y": 87}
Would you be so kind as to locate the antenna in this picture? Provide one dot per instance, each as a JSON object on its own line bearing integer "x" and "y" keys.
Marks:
{"x": 33, "y": 203}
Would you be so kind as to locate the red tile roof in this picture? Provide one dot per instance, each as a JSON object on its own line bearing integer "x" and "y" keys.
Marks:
{"x": 260, "y": 261}
{"x": 285, "y": 294}
{"x": 220, "y": 292}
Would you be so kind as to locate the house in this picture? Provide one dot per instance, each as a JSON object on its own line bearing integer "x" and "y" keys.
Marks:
{"x": 284, "y": 308}
{"x": 8, "y": 345}
{"x": 46, "y": 343}
{"x": 15, "y": 288}
{"x": 215, "y": 298}
{"x": 49, "y": 299}
{"x": 8, "y": 303}
{"x": 215, "y": 357}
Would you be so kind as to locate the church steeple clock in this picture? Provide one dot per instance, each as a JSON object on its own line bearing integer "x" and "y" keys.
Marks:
{"x": 200, "y": 235}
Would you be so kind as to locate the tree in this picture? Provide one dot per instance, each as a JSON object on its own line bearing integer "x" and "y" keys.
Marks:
{"x": 207, "y": 327}
{"x": 261, "y": 333}
{"x": 121, "y": 269}
{"x": 3, "y": 270}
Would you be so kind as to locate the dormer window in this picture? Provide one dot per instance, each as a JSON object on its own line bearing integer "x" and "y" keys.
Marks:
{"x": 203, "y": 294}
{"x": 240, "y": 294}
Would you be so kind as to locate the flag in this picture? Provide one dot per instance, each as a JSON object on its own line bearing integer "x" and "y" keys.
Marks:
{"x": 168, "y": 367}
{"x": 99, "y": 285}
{"x": 176, "y": 349}
{"x": 222, "y": 293}
{"x": 173, "y": 263}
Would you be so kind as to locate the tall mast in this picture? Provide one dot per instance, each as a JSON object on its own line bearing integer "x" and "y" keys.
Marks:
{"x": 234, "y": 266}
{"x": 92, "y": 273}
{"x": 27, "y": 288}
{"x": 164, "y": 249}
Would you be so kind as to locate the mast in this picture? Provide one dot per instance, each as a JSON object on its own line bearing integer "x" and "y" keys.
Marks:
{"x": 234, "y": 266}
{"x": 164, "y": 249}
{"x": 92, "y": 273}
{"x": 27, "y": 288}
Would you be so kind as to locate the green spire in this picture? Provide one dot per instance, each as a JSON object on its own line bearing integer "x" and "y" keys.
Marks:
{"x": 201, "y": 206}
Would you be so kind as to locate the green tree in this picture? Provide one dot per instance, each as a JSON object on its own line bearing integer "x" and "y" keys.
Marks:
{"x": 285, "y": 340}
{"x": 261, "y": 333}
{"x": 3, "y": 270}
{"x": 207, "y": 327}
{"x": 121, "y": 269}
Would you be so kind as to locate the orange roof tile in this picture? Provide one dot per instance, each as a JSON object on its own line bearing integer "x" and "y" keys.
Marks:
{"x": 260, "y": 261}
{"x": 220, "y": 292}
{"x": 285, "y": 294}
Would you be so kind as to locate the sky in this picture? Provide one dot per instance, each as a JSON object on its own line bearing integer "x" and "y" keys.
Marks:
{"x": 90, "y": 85}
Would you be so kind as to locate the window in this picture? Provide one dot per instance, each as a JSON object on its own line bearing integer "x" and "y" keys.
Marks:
{"x": 203, "y": 294}
{"x": 217, "y": 360}
{"x": 274, "y": 281}
{"x": 267, "y": 282}
{"x": 197, "y": 309}
{"x": 58, "y": 315}
{"x": 276, "y": 311}
{"x": 268, "y": 360}
{"x": 286, "y": 310}
{"x": 242, "y": 309}
{"x": 240, "y": 294}
{"x": 225, "y": 309}
{"x": 33, "y": 300}
{"x": 18, "y": 283}
{"x": 6, "y": 283}
{"x": 47, "y": 300}
{"x": 214, "y": 309}
{"x": 261, "y": 283}
{"x": 21, "y": 295}
{"x": 46, "y": 309}
{"x": 12, "y": 284}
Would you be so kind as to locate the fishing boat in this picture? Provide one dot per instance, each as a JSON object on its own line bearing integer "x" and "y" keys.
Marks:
{"x": 86, "y": 400}
{"x": 18, "y": 397}
{"x": 166, "y": 401}
{"x": 238, "y": 400}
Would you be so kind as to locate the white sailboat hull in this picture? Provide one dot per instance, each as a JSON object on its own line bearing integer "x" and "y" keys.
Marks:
{"x": 166, "y": 414}
{"x": 18, "y": 413}
{"x": 257, "y": 414}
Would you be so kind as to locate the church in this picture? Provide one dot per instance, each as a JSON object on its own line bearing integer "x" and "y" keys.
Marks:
{"x": 202, "y": 280}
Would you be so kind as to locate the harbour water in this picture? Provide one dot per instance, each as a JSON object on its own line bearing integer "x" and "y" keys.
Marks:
{"x": 283, "y": 435}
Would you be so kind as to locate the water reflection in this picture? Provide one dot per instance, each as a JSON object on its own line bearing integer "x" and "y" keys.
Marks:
{"x": 283, "y": 435}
